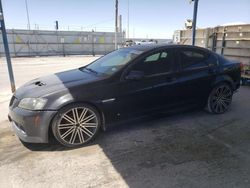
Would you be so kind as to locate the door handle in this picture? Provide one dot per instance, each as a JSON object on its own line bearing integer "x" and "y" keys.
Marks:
{"x": 211, "y": 70}
{"x": 170, "y": 79}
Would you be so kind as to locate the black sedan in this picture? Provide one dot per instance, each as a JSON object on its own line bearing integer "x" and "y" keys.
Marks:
{"x": 74, "y": 105}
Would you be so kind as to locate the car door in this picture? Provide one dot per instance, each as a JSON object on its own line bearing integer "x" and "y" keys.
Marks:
{"x": 154, "y": 91}
{"x": 196, "y": 73}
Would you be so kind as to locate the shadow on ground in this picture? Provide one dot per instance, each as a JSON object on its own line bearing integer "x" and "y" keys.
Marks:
{"x": 191, "y": 149}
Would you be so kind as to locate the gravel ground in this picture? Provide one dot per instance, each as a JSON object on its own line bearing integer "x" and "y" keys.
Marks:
{"x": 189, "y": 149}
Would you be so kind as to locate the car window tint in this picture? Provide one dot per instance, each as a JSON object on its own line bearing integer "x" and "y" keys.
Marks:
{"x": 116, "y": 61}
{"x": 195, "y": 55}
{"x": 153, "y": 58}
{"x": 164, "y": 54}
{"x": 192, "y": 58}
{"x": 159, "y": 62}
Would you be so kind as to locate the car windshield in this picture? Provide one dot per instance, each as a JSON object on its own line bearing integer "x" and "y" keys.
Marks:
{"x": 112, "y": 62}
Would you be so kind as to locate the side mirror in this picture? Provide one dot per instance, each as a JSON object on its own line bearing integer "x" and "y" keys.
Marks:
{"x": 135, "y": 75}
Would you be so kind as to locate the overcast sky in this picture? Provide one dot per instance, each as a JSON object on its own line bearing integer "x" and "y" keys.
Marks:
{"x": 148, "y": 18}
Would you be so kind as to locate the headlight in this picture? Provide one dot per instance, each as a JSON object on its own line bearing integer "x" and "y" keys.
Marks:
{"x": 32, "y": 103}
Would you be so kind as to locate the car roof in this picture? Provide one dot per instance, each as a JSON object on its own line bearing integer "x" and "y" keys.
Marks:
{"x": 150, "y": 47}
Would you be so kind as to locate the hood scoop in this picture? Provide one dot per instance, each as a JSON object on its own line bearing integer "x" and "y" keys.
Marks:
{"x": 39, "y": 83}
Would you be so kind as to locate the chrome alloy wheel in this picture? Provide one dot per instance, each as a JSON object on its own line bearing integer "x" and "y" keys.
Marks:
{"x": 77, "y": 126}
{"x": 221, "y": 99}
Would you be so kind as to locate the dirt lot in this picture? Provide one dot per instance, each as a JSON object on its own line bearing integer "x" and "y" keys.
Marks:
{"x": 191, "y": 149}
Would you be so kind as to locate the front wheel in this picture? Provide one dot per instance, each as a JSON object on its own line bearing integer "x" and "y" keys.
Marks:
{"x": 75, "y": 125}
{"x": 220, "y": 99}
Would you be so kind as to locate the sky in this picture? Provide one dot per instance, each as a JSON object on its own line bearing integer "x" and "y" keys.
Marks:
{"x": 147, "y": 18}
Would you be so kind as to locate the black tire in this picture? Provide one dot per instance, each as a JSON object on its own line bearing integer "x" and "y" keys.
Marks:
{"x": 220, "y": 99}
{"x": 76, "y": 125}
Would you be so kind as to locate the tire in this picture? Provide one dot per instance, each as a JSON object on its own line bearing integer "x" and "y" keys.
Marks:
{"x": 76, "y": 125}
{"x": 220, "y": 99}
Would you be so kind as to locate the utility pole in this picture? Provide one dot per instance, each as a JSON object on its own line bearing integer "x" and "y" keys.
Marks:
{"x": 194, "y": 20}
{"x": 116, "y": 23}
{"x": 93, "y": 43}
{"x": 128, "y": 21}
{"x": 6, "y": 48}
{"x": 27, "y": 12}
{"x": 56, "y": 25}
{"x": 120, "y": 23}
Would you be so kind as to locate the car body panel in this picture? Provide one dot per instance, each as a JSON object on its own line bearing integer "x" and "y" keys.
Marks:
{"x": 31, "y": 126}
{"x": 50, "y": 84}
{"x": 195, "y": 82}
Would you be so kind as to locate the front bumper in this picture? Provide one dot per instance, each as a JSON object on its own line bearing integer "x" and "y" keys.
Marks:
{"x": 31, "y": 126}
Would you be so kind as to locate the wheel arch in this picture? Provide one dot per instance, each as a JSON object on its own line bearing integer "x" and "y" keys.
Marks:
{"x": 71, "y": 102}
{"x": 223, "y": 79}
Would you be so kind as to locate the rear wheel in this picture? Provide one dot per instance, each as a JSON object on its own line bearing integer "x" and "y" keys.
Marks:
{"x": 76, "y": 125}
{"x": 220, "y": 99}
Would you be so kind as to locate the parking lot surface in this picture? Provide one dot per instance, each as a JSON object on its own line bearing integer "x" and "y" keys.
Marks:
{"x": 187, "y": 149}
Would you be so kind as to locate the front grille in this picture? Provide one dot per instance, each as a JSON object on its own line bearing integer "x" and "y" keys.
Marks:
{"x": 13, "y": 101}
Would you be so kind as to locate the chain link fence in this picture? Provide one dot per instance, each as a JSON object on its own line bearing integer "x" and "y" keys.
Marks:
{"x": 46, "y": 43}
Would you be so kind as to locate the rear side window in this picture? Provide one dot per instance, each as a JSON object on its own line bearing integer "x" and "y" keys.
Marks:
{"x": 191, "y": 58}
{"x": 156, "y": 63}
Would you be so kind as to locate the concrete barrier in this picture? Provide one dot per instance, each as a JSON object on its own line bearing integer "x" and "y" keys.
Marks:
{"x": 232, "y": 41}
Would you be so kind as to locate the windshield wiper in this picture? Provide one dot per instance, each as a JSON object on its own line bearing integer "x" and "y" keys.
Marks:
{"x": 91, "y": 70}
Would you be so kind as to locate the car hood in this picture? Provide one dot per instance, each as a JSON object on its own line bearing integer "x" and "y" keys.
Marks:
{"x": 56, "y": 82}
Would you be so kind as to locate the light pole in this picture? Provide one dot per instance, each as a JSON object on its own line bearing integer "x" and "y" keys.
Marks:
{"x": 194, "y": 20}
{"x": 116, "y": 23}
{"x": 27, "y": 13}
{"x": 6, "y": 48}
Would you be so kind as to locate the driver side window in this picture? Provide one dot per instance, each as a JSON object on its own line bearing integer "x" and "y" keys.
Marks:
{"x": 156, "y": 63}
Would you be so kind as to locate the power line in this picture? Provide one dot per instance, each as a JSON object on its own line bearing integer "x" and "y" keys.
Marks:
{"x": 98, "y": 23}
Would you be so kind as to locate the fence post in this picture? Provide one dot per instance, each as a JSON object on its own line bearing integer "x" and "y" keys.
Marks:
{"x": 223, "y": 44}
{"x": 93, "y": 44}
{"x": 14, "y": 42}
{"x": 194, "y": 20}
{"x": 7, "y": 50}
